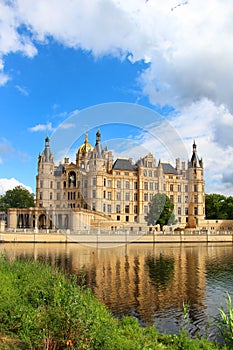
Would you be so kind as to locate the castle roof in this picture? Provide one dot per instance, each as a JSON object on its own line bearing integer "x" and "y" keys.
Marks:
{"x": 123, "y": 164}
{"x": 169, "y": 169}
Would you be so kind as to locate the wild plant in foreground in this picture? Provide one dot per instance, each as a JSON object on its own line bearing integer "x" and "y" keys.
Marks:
{"x": 225, "y": 322}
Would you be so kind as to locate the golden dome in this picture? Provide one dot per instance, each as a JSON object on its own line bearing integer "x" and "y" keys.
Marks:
{"x": 86, "y": 147}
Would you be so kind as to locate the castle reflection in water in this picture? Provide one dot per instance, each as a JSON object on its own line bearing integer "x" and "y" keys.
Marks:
{"x": 150, "y": 282}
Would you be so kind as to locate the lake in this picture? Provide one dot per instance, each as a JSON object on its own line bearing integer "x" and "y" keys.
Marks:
{"x": 148, "y": 281}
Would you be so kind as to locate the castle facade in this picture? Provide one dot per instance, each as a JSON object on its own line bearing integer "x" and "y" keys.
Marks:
{"x": 114, "y": 193}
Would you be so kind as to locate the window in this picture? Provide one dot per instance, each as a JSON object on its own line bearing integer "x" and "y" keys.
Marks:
{"x": 94, "y": 194}
{"x": 135, "y": 209}
{"x": 179, "y": 199}
{"x": 186, "y": 199}
{"x": 41, "y": 183}
{"x": 179, "y": 188}
{"x": 58, "y": 196}
{"x": 118, "y": 173}
{"x": 156, "y": 186}
{"x": 109, "y": 183}
{"x": 172, "y": 198}
{"x": 93, "y": 207}
{"x": 145, "y": 173}
{"x": 151, "y": 186}
{"x": 195, "y": 211}
{"x": 127, "y": 196}
{"x": 126, "y": 173}
{"x": 195, "y": 188}
{"x": 58, "y": 185}
{"x": 135, "y": 185}
{"x": 118, "y": 196}
{"x": 118, "y": 218}
{"x": 145, "y": 209}
{"x": 179, "y": 211}
{"x": 150, "y": 165}
{"x": 109, "y": 208}
{"x": 109, "y": 195}
{"x": 118, "y": 184}
{"x": 118, "y": 208}
{"x": 104, "y": 182}
{"x": 151, "y": 196}
{"x": 94, "y": 181}
{"x": 104, "y": 207}
{"x": 146, "y": 197}
{"x": 51, "y": 184}
{"x": 85, "y": 184}
{"x": 41, "y": 195}
{"x": 50, "y": 195}
{"x": 186, "y": 188}
{"x": 186, "y": 211}
{"x": 145, "y": 185}
{"x": 104, "y": 194}
{"x": 150, "y": 173}
{"x": 195, "y": 199}
{"x": 127, "y": 209}
{"x": 135, "y": 196}
{"x": 127, "y": 218}
{"x": 127, "y": 185}
{"x": 171, "y": 188}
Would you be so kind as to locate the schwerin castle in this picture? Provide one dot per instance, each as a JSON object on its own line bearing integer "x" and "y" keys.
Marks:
{"x": 97, "y": 191}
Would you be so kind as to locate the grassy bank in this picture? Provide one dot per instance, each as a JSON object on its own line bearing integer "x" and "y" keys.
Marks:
{"x": 41, "y": 308}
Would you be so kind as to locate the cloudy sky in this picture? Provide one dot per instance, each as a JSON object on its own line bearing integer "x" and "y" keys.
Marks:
{"x": 60, "y": 57}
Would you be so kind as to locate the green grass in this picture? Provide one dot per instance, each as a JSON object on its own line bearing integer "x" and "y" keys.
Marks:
{"x": 41, "y": 308}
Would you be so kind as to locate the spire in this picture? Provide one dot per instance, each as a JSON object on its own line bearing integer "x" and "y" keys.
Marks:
{"x": 98, "y": 146}
{"x": 86, "y": 138}
{"x": 47, "y": 151}
{"x": 195, "y": 162}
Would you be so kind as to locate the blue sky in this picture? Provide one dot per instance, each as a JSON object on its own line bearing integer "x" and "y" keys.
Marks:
{"x": 60, "y": 58}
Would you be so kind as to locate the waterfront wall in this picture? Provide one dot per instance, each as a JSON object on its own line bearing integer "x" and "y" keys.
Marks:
{"x": 115, "y": 237}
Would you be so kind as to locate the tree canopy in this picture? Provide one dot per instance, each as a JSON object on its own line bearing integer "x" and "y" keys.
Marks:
{"x": 217, "y": 206}
{"x": 160, "y": 211}
{"x": 19, "y": 197}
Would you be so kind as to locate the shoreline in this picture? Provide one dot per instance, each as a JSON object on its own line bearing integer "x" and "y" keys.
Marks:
{"x": 113, "y": 238}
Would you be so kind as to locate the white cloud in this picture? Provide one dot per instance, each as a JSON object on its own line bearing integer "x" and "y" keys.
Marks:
{"x": 22, "y": 90}
{"x": 211, "y": 127}
{"x": 189, "y": 49}
{"x": 5, "y": 148}
{"x": 67, "y": 125}
{"x": 41, "y": 127}
{"x": 10, "y": 184}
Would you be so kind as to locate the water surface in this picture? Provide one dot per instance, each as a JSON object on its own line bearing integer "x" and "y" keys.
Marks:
{"x": 150, "y": 282}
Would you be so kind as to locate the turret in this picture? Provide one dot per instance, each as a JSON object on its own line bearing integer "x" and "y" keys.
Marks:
{"x": 196, "y": 209}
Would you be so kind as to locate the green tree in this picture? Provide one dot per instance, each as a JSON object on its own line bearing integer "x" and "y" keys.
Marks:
{"x": 19, "y": 197}
{"x": 160, "y": 211}
{"x": 216, "y": 206}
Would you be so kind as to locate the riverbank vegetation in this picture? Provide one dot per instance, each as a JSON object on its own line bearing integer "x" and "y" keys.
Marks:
{"x": 41, "y": 308}
{"x": 218, "y": 206}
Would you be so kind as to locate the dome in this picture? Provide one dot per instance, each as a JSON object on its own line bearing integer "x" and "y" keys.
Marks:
{"x": 86, "y": 147}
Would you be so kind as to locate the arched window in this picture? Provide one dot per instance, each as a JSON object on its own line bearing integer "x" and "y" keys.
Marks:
{"x": 72, "y": 179}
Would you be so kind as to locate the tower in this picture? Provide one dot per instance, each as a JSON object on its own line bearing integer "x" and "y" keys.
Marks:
{"x": 196, "y": 209}
{"x": 45, "y": 177}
